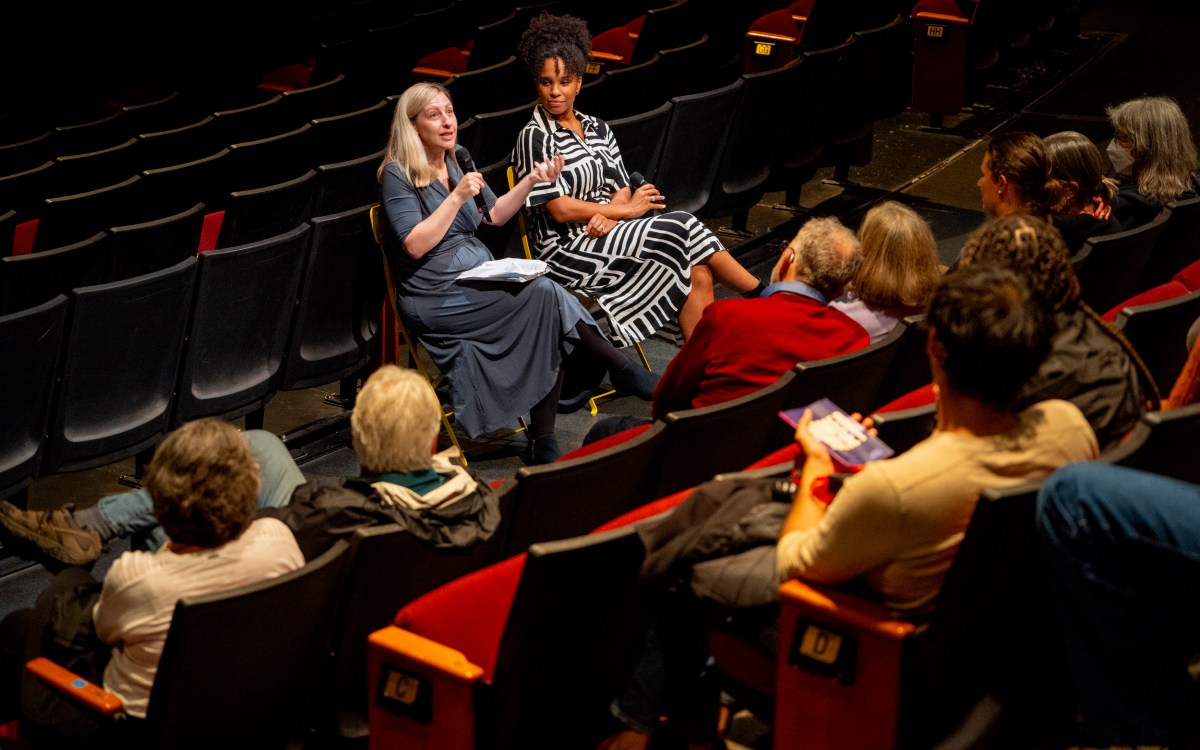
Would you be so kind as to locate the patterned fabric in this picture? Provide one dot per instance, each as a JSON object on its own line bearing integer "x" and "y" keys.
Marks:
{"x": 640, "y": 272}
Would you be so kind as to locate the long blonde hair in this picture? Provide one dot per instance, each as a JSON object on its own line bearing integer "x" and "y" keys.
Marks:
{"x": 899, "y": 257}
{"x": 405, "y": 148}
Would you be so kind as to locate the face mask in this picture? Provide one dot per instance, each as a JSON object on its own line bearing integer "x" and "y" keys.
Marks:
{"x": 1122, "y": 160}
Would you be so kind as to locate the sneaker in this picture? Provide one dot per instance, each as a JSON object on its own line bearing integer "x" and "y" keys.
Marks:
{"x": 54, "y": 532}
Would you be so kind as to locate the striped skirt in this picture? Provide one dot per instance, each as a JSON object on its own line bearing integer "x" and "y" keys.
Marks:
{"x": 639, "y": 273}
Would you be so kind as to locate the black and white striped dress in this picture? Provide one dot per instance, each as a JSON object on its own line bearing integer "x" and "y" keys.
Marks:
{"x": 640, "y": 272}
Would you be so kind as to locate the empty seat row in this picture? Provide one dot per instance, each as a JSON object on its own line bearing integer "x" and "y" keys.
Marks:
{"x": 103, "y": 372}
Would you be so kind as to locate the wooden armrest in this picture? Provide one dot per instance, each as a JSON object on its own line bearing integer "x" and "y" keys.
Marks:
{"x": 89, "y": 694}
{"x": 845, "y": 609}
{"x": 420, "y": 651}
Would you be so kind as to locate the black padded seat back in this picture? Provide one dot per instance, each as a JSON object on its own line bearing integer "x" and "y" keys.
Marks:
{"x": 204, "y": 696}
{"x": 696, "y": 136}
{"x": 346, "y": 185}
{"x": 31, "y": 340}
{"x": 29, "y": 280}
{"x": 575, "y": 613}
{"x": 1178, "y": 246}
{"x": 120, "y": 367}
{"x": 1158, "y": 332}
{"x": 697, "y": 445}
{"x": 1110, "y": 265}
{"x": 640, "y": 138}
{"x": 339, "y": 302}
{"x": 265, "y": 212}
{"x": 135, "y": 249}
{"x": 237, "y": 335}
{"x": 568, "y": 498}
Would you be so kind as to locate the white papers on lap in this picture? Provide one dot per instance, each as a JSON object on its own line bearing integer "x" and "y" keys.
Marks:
{"x": 506, "y": 269}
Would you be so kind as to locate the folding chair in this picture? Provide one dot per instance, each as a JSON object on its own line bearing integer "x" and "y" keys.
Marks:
{"x": 587, "y": 301}
{"x": 416, "y": 354}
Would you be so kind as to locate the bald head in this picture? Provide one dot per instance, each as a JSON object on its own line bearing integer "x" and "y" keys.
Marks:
{"x": 824, "y": 254}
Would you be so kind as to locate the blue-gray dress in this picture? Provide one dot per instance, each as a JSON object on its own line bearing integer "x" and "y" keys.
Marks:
{"x": 500, "y": 344}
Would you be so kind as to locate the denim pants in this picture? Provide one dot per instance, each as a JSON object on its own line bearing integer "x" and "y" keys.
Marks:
{"x": 132, "y": 513}
{"x": 1122, "y": 550}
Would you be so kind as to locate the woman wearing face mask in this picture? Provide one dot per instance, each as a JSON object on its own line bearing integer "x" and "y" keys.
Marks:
{"x": 1154, "y": 158}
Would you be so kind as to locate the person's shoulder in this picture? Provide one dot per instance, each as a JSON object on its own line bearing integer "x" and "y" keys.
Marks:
{"x": 1057, "y": 417}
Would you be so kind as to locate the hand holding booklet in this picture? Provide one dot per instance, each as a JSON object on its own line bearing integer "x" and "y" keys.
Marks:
{"x": 847, "y": 440}
{"x": 506, "y": 269}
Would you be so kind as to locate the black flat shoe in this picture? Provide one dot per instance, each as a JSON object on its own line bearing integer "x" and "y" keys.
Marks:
{"x": 635, "y": 380}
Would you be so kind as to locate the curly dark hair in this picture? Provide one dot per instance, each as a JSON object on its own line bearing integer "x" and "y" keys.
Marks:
{"x": 555, "y": 37}
{"x": 1036, "y": 252}
{"x": 1032, "y": 248}
{"x": 993, "y": 330}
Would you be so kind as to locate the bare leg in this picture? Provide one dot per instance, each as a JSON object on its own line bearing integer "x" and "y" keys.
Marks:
{"x": 728, "y": 271}
{"x": 698, "y": 299}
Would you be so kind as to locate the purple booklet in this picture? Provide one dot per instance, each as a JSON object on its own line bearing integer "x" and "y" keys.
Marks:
{"x": 848, "y": 441}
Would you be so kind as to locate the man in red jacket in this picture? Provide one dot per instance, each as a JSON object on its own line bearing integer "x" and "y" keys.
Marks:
{"x": 740, "y": 346}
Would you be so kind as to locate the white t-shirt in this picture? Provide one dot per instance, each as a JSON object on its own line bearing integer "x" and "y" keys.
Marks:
{"x": 141, "y": 589}
{"x": 899, "y": 522}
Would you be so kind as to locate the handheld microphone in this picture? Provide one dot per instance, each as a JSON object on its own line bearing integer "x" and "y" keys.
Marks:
{"x": 636, "y": 180}
{"x": 468, "y": 165}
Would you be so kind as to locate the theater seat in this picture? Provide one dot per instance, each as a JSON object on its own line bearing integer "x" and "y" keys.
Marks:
{"x": 525, "y": 653}
{"x": 851, "y": 673}
{"x": 771, "y": 41}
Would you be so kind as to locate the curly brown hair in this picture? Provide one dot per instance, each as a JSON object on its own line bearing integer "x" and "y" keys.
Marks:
{"x": 1036, "y": 252}
{"x": 552, "y": 37}
{"x": 1033, "y": 249}
{"x": 204, "y": 482}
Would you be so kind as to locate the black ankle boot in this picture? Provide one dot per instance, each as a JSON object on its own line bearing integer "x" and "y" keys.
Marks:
{"x": 755, "y": 292}
{"x": 542, "y": 450}
{"x": 634, "y": 380}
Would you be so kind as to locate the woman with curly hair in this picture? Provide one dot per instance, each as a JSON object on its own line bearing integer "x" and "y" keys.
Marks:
{"x": 1090, "y": 364}
{"x": 1085, "y": 209}
{"x": 1154, "y": 156}
{"x": 591, "y": 225}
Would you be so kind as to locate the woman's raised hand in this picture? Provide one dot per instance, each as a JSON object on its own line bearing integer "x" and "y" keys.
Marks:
{"x": 469, "y": 186}
{"x": 547, "y": 171}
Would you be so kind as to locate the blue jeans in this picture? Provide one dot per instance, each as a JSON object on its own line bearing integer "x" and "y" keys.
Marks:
{"x": 132, "y": 513}
{"x": 1122, "y": 550}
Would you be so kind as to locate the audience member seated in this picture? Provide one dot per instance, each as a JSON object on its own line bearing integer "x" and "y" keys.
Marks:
{"x": 894, "y": 526}
{"x": 1090, "y": 363}
{"x": 601, "y": 234}
{"x": 1154, "y": 157}
{"x": 394, "y": 430}
{"x": 1122, "y": 551}
{"x": 1085, "y": 208}
{"x": 1016, "y": 177}
{"x": 203, "y": 482}
{"x": 898, "y": 271}
{"x": 742, "y": 345}
{"x": 501, "y": 344}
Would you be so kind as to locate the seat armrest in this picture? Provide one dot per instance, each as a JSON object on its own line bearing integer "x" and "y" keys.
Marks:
{"x": 90, "y": 695}
{"x": 839, "y": 669}
{"x": 422, "y": 693}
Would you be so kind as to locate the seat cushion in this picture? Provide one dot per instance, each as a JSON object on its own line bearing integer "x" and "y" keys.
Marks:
{"x": 469, "y": 613}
